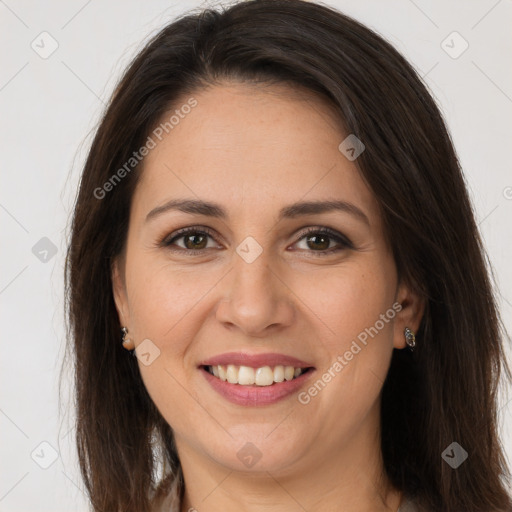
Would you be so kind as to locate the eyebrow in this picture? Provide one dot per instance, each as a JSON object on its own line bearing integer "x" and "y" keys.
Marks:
{"x": 210, "y": 209}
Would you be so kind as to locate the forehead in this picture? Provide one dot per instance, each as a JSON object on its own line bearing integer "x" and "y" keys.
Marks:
{"x": 251, "y": 145}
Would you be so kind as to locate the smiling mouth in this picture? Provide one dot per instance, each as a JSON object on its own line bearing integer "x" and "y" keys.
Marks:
{"x": 248, "y": 376}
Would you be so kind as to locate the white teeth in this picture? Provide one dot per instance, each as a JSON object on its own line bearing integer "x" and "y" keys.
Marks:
{"x": 247, "y": 376}
{"x": 232, "y": 374}
{"x": 279, "y": 374}
{"x": 288, "y": 372}
{"x": 222, "y": 372}
{"x": 264, "y": 376}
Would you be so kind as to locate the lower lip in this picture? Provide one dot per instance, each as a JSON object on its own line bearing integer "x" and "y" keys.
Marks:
{"x": 256, "y": 395}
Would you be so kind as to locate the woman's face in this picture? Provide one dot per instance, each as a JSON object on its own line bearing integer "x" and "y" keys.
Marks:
{"x": 257, "y": 284}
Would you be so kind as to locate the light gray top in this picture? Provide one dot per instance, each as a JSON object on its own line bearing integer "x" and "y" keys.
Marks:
{"x": 407, "y": 506}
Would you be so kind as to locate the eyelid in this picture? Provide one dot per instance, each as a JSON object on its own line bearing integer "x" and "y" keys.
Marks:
{"x": 324, "y": 230}
{"x": 342, "y": 240}
{"x": 179, "y": 233}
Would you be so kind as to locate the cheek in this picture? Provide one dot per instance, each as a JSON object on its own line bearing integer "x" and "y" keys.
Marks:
{"x": 162, "y": 298}
{"x": 356, "y": 315}
{"x": 350, "y": 302}
{"x": 165, "y": 304}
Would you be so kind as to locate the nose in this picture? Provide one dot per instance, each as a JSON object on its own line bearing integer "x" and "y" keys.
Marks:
{"x": 256, "y": 299}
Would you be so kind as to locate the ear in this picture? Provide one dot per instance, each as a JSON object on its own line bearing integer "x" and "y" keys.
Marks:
{"x": 119, "y": 291}
{"x": 410, "y": 314}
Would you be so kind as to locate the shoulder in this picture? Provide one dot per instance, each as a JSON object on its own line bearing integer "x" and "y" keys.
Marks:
{"x": 169, "y": 502}
{"x": 408, "y": 506}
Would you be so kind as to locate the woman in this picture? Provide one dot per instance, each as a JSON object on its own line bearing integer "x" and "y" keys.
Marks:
{"x": 273, "y": 220}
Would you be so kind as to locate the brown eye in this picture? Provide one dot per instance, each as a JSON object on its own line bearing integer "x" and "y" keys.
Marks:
{"x": 318, "y": 240}
{"x": 190, "y": 240}
{"x": 195, "y": 241}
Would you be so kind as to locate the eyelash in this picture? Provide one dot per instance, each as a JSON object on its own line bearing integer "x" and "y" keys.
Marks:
{"x": 343, "y": 241}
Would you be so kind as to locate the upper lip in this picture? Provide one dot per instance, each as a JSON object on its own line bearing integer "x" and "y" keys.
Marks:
{"x": 255, "y": 360}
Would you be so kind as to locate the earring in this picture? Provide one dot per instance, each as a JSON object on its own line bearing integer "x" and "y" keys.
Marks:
{"x": 127, "y": 342}
{"x": 410, "y": 338}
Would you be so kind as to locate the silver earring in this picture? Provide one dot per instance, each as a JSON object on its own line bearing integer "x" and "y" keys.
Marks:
{"x": 410, "y": 338}
{"x": 126, "y": 341}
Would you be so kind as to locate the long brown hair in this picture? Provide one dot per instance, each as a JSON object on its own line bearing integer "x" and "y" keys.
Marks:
{"x": 443, "y": 392}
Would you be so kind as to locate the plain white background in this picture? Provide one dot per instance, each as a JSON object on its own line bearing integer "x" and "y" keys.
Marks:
{"x": 48, "y": 108}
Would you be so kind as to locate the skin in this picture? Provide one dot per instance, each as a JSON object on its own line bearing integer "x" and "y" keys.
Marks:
{"x": 255, "y": 150}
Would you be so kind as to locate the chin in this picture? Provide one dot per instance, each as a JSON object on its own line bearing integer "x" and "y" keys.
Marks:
{"x": 256, "y": 451}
